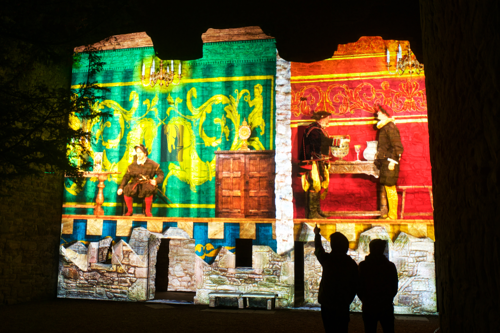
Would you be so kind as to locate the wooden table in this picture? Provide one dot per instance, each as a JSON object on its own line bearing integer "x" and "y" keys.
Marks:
{"x": 101, "y": 176}
{"x": 354, "y": 167}
{"x": 360, "y": 167}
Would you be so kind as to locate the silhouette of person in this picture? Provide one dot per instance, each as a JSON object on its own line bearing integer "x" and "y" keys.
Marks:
{"x": 378, "y": 285}
{"x": 338, "y": 283}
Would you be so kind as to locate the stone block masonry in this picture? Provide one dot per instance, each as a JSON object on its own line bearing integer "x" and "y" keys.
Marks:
{"x": 414, "y": 260}
{"x": 124, "y": 280}
{"x": 181, "y": 275}
{"x": 132, "y": 272}
{"x": 283, "y": 158}
{"x": 30, "y": 230}
{"x": 270, "y": 272}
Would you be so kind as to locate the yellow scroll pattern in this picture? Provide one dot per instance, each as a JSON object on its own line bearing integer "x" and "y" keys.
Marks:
{"x": 179, "y": 131}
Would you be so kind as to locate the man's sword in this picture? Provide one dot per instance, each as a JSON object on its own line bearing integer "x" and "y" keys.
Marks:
{"x": 144, "y": 179}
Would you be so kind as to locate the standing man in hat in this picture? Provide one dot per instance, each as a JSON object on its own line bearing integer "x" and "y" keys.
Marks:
{"x": 389, "y": 152}
{"x": 315, "y": 161}
{"x": 141, "y": 174}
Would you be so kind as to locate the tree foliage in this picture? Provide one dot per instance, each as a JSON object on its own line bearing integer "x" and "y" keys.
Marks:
{"x": 35, "y": 105}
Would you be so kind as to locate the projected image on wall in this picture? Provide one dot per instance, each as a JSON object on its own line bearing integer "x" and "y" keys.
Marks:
{"x": 374, "y": 179}
{"x": 205, "y": 179}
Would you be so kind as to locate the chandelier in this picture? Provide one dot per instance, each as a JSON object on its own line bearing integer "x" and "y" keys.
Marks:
{"x": 164, "y": 76}
{"x": 407, "y": 63}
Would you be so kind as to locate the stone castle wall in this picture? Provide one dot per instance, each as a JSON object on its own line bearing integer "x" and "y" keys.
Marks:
{"x": 270, "y": 272}
{"x": 414, "y": 260}
{"x": 181, "y": 273}
{"x": 124, "y": 271}
{"x": 283, "y": 158}
{"x": 461, "y": 45}
{"x": 125, "y": 278}
{"x": 30, "y": 230}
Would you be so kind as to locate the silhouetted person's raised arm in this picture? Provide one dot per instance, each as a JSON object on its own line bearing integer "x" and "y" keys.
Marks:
{"x": 338, "y": 283}
{"x": 378, "y": 285}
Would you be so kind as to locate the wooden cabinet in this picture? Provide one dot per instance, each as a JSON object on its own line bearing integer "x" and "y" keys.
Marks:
{"x": 245, "y": 184}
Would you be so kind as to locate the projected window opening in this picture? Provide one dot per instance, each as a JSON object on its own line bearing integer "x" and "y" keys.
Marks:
{"x": 243, "y": 252}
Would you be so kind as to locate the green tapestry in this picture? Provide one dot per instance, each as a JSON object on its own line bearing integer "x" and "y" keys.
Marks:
{"x": 181, "y": 124}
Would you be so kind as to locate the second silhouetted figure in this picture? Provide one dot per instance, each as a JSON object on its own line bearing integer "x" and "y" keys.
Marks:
{"x": 378, "y": 285}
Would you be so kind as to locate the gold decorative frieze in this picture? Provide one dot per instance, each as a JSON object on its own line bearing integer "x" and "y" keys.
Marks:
{"x": 67, "y": 226}
{"x": 417, "y": 230}
{"x": 123, "y": 228}
{"x": 247, "y": 230}
{"x": 94, "y": 227}
{"x": 155, "y": 226}
{"x": 187, "y": 227}
{"x": 216, "y": 230}
{"x": 348, "y": 229}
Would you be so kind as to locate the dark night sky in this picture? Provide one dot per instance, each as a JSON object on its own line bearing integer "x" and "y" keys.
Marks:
{"x": 307, "y": 32}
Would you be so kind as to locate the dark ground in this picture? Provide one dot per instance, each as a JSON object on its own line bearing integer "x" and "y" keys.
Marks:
{"x": 71, "y": 315}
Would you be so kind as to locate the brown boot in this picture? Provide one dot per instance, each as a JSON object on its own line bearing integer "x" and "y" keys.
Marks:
{"x": 321, "y": 213}
{"x": 314, "y": 206}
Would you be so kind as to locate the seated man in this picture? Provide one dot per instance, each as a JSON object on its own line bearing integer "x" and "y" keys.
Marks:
{"x": 141, "y": 175}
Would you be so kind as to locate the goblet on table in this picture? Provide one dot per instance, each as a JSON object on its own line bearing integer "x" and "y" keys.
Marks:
{"x": 357, "y": 149}
{"x": 340, "y": 146}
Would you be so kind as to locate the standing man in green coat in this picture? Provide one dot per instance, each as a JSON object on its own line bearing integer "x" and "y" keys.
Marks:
{"x": 141, "y": 175}
{"x": 389, "y": 152}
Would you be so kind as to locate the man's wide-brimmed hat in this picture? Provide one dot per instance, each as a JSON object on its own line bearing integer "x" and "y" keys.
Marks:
{"x": 141, "y": 147}
{"x": 320, "y": 115}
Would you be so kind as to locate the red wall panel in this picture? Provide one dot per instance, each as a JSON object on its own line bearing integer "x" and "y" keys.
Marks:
{"x": 347, "y": 86}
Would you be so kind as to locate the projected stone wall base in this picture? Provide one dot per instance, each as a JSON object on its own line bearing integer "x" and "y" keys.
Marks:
{"x": 414, "y": 259}
{"x": 125, "y": 271}
{"x": 181, "y": 274}
{"x": 124, "y": 279}
{"x": 269, "y": 273}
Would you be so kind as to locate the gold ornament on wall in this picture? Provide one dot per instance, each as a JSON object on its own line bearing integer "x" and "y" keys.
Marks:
{"x": 244, "y": 133}
{"x": 164, "y": 76}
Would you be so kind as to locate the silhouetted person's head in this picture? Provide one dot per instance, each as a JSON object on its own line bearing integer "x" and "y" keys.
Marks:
{"x": 377, "y": 246}
{"x": 339, "y": 243}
